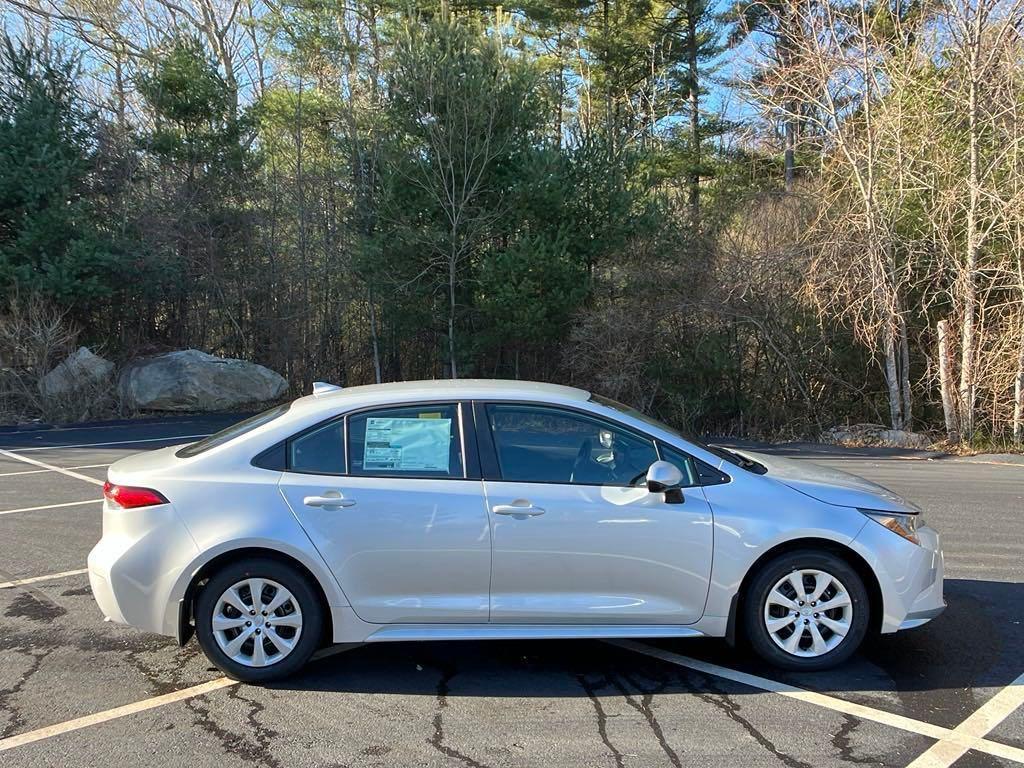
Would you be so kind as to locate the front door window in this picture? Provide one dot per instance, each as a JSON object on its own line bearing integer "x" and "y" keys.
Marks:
{"x": 537, "y": 444}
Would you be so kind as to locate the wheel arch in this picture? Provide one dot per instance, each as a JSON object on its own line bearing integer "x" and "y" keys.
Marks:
{"x": 211, "y": 566}
{"x": 851, "y": 556}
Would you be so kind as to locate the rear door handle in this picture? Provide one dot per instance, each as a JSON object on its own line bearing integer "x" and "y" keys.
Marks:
{"x": 330, "y": 500}
{"x": 517, "y": 511}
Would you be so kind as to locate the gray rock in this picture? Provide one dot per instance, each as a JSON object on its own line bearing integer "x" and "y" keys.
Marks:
{"x": 876, "y": 434}
{"x": 190, "y": 380}
{"x": 77, "y": 371}
{"x": 901, "y": 438}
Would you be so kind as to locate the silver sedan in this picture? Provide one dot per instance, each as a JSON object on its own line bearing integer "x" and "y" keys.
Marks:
{"x": 469, "y": 510}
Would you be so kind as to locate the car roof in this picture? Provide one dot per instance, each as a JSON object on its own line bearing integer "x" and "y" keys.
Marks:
{"x": 434, "y": 389}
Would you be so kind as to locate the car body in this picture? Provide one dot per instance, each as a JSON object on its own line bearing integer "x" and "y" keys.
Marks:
{"x": 478, "y": 509}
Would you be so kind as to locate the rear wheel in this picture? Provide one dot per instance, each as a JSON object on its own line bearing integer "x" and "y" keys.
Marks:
{"x": 806, "y": 610}
{"x": 258, "y": 620}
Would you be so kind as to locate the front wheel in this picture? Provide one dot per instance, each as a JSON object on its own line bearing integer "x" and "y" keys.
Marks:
{"x": 806, "y": 610}
{"x": 258, "y": 620}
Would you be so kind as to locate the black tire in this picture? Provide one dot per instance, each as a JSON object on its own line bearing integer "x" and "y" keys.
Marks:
{"x": 291, "y": 579}
{"x": 754, "y": 599}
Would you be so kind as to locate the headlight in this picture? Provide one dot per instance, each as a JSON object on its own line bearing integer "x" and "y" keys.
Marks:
{"x": 904, "y": 525}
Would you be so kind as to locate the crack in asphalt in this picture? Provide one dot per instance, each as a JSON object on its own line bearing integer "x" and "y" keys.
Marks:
{"x": 158, "y": 686}
{"x": 7, "y": 694}
{"x": 602, "y": 717}
{"x": 644, "y": 708}
{"x": 437, "y": 740}
{"x": 263, "y": 735}
{"x": 255, "y": 750}
{"x": 841, "y": 741}
{"x": 723, "y": 701}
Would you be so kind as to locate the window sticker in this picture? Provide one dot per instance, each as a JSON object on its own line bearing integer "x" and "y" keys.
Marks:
{"x": 407, "y": 444}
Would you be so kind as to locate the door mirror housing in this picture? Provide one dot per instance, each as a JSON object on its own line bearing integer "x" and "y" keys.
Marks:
{"x": 663, "y": 477}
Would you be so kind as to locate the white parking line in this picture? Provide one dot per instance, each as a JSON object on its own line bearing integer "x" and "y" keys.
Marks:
{"x": 44, "y": 465}
{"x": 43, "y": 471}
{"x": 51, "y": 506}
{"x": 967, "y": 738}
{"x": 98, "y": 445}
{"x": 113, "y": 714}
{"x": 947, "y": 751}
{"x": 37, "y": 579}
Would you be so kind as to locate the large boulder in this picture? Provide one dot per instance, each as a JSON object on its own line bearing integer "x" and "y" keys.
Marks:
{"x": 191, "y": 380}
{"x": 79, "y": 370}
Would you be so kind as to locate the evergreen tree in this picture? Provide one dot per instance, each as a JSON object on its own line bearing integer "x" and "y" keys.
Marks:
{"x": 50, "y": 239}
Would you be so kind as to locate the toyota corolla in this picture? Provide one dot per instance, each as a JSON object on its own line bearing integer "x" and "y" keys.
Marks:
{"x": 471, "y": 510}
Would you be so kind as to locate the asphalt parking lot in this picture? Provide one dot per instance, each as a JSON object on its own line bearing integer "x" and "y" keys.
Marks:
{"x": 75, "y": 691}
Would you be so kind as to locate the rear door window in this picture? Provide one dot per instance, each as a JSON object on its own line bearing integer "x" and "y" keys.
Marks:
{"x": 409, "y": 441}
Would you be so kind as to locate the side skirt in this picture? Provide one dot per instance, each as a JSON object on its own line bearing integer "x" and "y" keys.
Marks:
{"x": 402, "y": 633}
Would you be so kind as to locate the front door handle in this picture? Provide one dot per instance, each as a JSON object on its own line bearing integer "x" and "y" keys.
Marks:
{"x": 330, "y": 500}
{"x": 515, "y": 510}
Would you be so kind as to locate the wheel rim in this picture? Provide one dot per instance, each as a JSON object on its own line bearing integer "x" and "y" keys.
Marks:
{"x": 808, "y": 613}
{"x": 257, "y": 622}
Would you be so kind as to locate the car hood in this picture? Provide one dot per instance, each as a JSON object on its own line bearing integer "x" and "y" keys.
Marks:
{"x": 831, "y": 486}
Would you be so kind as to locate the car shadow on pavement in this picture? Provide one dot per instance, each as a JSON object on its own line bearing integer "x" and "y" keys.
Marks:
{"x": 975, "y": 644}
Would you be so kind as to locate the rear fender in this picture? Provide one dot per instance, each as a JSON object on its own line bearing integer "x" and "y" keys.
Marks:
{"x": 177, "y": 610}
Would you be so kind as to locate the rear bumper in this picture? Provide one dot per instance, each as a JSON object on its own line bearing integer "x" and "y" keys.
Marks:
{"x": 134, "y": 567}
{"x": 917, "y": 618}
{"x": 99, "y": 582}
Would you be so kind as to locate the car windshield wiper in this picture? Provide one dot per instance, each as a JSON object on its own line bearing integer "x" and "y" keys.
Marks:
{"x": 739, "y": 460}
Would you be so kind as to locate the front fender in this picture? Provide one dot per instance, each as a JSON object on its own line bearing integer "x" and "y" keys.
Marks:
{"x": 754, "y": 518}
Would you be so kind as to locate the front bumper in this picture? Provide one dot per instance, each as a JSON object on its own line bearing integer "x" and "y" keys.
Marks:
{"x": 910, "y": 576}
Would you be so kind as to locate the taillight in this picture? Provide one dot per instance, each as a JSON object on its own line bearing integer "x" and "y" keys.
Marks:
{"x": 128, "y": 497}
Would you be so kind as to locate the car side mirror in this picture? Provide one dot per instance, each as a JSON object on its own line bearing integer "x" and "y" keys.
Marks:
{"x": 663, "y": 477}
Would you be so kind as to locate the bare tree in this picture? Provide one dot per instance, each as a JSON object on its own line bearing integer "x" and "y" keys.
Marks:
{"x": 833, "y": 79}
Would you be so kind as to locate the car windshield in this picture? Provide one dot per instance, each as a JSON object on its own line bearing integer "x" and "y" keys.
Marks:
{"x": 235, "y": 430}
{"x": 723, "y": 453}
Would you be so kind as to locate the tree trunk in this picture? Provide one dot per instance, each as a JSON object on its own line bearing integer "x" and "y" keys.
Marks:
{"x": 892, "y": 380}
{"x": 968, "y": 280}
{"x": 691, "y": 55}
{"x": 789, "y": 157}
{"x": 610, "y": 85}
{"x": 120, "y": 93}
{"x": 373, "y": 338}
{"x": 946, "y": 383}
{"x": 905, "y": 374}
{"x": 1018, "y": 392}
{"x": 451, "y": 318}
{"x": 559, "y": 116}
